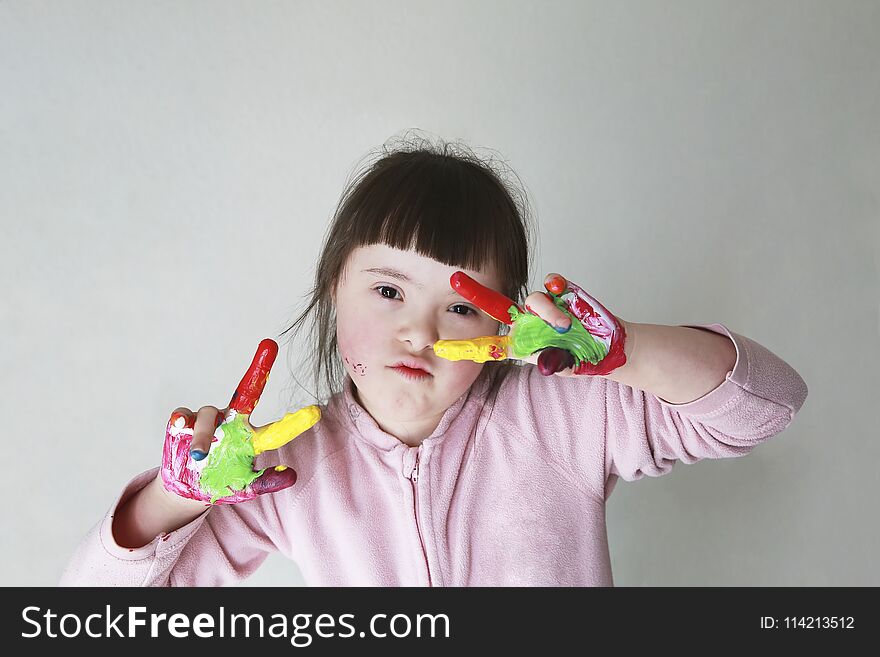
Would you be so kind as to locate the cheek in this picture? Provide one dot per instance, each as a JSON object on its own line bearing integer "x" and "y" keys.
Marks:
{"x": 465, "y": 372}
{"x": 360, "y": 345}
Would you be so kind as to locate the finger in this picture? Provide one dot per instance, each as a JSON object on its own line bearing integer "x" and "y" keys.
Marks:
{"x": 273, "y": 480}
{"x": 479, "y": 350}
{"x": 538, "y": 303}
{"x": 556, "y": 284}
{"x": 553, "y": 360}
{"x": 493, "y": 303}
{"x": 207, "y": 420}
{"x": 182, "y": 418}
{"x": 278, "y": 434}
{"x": 246, "y": 396}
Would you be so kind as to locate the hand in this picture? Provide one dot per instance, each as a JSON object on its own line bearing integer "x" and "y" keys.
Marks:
{"x": 574, "y": 333}
{"x": 227, "y": 475}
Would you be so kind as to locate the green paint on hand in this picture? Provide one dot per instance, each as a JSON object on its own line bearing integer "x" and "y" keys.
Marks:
{"x": 230, "y": 465}
{"x": 530, "y": 333}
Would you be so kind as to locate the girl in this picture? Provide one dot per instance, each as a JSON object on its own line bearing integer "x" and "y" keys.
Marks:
{"x": 425, "y": 470}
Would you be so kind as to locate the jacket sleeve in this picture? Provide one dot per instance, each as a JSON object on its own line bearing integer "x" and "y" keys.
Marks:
{"x": 646, "y": 435}
{"x": 598, "y": 430}
{"x": 222, "y": 546}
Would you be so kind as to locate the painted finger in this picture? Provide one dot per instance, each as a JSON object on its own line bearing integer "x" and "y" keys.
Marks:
{"x": 556, "y": 284}
{"x": 479, "y": 350}
{"x": 246, "y": 396}
{"x": 207, "y": 420}
{"x": 273, "y": 480}
{"x": 182, "y": 418}
{"x": 538, "y": 303}
{"x": 278, "y": 434}
{"x": 493, "y": 303}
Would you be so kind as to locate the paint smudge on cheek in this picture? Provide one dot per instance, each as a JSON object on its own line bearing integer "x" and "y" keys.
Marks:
{"x": 359, "y": 368}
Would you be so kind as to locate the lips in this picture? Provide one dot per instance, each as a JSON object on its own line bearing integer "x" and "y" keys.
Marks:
{"x": 413, "y": 365}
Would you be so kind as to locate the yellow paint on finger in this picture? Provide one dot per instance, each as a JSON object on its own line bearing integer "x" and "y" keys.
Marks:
{"x": 479, "y": 350}
{"x": 280, "y": 433}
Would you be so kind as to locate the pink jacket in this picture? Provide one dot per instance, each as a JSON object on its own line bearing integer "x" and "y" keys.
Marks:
{"x": 506, "y": 491}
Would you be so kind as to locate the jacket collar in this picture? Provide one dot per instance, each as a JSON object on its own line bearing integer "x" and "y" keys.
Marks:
{"x": 364, "y": 426}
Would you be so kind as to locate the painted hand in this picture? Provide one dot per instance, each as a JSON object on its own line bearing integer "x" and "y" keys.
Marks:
{"x": 565, "y": 332}
{"x": 227, "y": 475}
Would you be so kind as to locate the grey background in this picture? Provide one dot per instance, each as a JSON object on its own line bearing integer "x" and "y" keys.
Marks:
{"x": 168, "y": 170}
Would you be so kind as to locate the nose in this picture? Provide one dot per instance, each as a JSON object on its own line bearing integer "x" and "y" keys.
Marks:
{"x": 420, "y": 333}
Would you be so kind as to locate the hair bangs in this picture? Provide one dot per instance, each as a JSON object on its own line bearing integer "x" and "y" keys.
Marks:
{"x": 443, "y": 209}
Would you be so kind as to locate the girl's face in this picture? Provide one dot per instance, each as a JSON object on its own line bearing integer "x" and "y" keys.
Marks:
{"x": 382, "y": 319}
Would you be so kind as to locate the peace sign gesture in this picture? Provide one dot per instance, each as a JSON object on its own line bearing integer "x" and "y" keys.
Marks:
{"x": 574, "y": 333}
{"x": 227, "y": 475}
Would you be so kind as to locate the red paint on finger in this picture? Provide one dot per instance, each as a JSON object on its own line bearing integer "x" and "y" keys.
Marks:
{"x": 493, "y": 303}
{"x": 187, "y": 421}
{"x": 254, "y": 380}
{"x": 556, "y": 284}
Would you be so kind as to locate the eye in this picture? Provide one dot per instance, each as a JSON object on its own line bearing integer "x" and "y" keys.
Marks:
{"x": 379, "y": 289}
{"x": 467, "y": 310}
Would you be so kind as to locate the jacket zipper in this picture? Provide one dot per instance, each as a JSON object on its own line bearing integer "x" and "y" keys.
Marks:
{"x": 414, "y": 478}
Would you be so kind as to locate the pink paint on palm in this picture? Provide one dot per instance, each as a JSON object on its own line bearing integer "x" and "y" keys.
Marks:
{"x": 602, "y": 325}
{"x": 180, "y": 474}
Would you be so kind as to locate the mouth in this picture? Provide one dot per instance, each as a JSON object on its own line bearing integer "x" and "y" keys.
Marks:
{"x": 411, "y": 370}
{"x": 412, "y": 364}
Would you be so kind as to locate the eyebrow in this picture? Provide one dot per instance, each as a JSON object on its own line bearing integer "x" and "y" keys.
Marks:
{"x": 399, "y": 275}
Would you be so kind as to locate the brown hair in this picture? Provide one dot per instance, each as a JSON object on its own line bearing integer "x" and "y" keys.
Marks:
{"x": 440, "y": 200}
